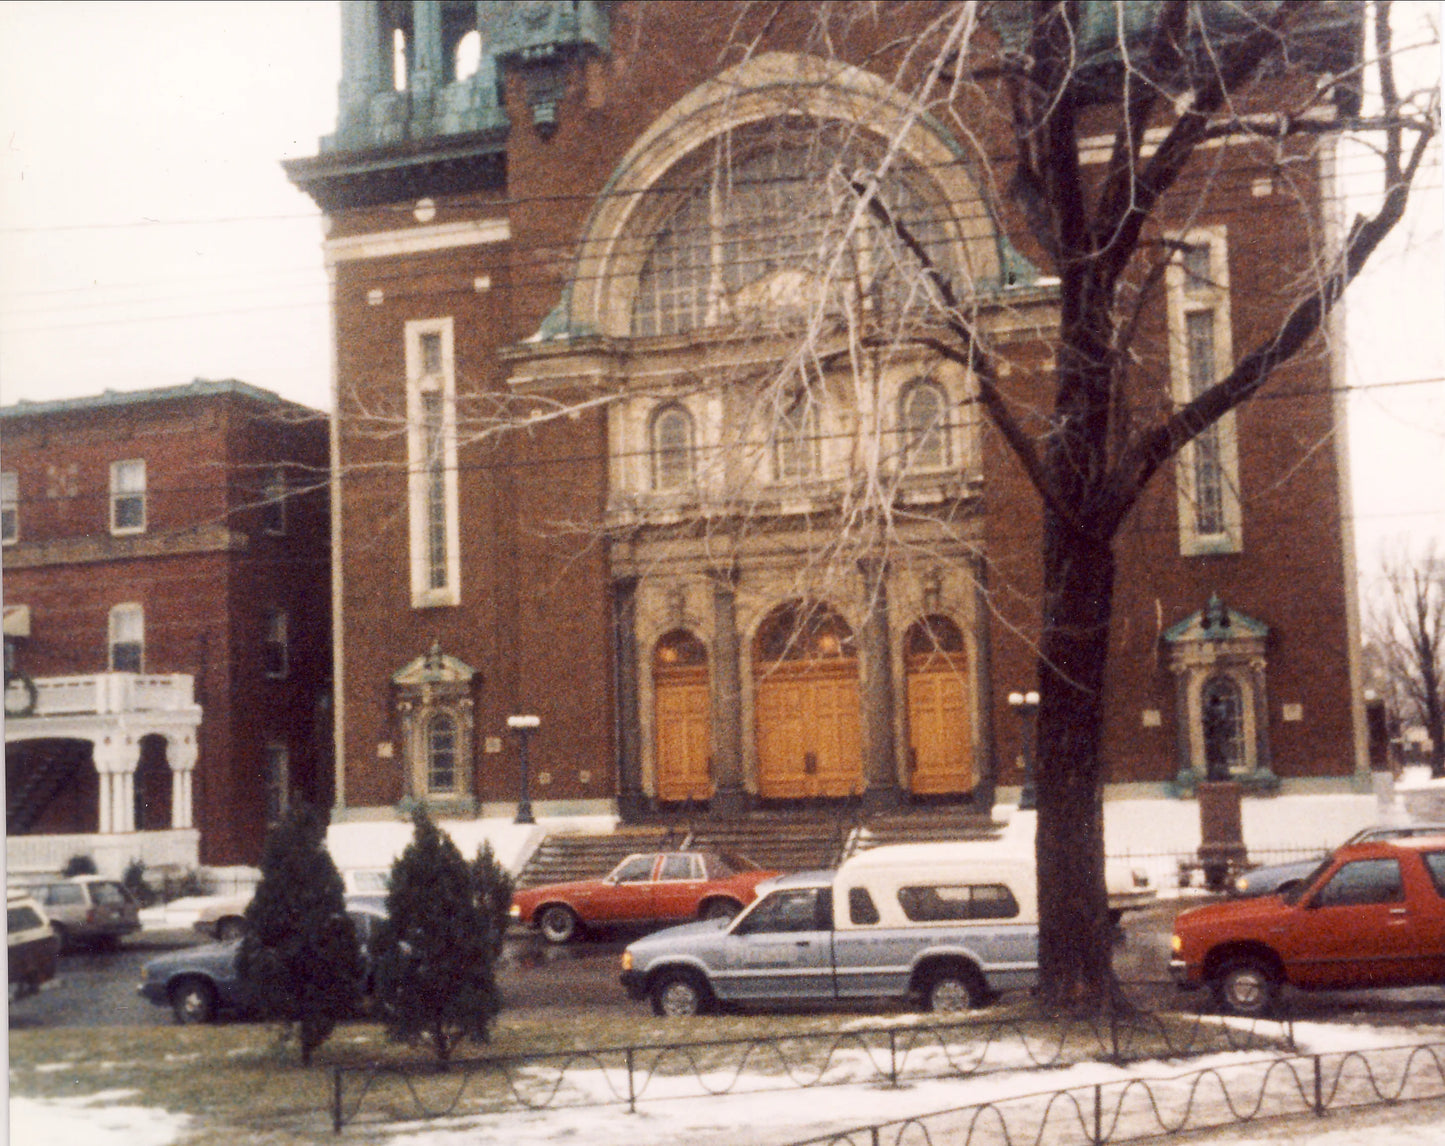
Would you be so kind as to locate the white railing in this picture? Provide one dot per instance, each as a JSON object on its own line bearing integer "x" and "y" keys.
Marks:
{"x": 112, "y": 692}
{"x": 35, "y": 855}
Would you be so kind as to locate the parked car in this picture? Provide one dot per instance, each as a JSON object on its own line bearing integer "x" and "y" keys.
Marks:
{"x": 1278, "y": 879}
{"x": 945, "y": 923}
{"x": 1373, "y": 915}
{"x": 651, "y": 887}
{"x": 199, "y": 984}
{"x": 225, "y": 919}
{"x": 33, "y": 947}
{"x": 87, "y": 909}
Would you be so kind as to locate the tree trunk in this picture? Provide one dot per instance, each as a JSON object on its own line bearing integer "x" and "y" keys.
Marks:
{"x": 1075, "y": 937}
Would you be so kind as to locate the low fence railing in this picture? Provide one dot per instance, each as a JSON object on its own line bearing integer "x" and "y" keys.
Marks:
{"x": 887, "y": 1055}
{"x": 1138, "y": 1108}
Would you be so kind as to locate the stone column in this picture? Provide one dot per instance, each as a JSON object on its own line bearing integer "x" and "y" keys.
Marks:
{"x": 631, "y": 801}
{"x": 115, "y": 762}
{"x": 880, "y": 760}
{"x": 730, "y": 798}
{"x": 181, "y": 754}
{"x": 361, "y": 62}
{"x": 427, "y": 66}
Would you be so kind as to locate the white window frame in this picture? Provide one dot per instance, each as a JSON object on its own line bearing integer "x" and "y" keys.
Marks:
{"x": 1188, "y": 294}
{"x": 432, "y": 468}
{"x": 273, "y": 504}
{"x": 126, "y": 626}
{"x": 124, "y": 488}
{"x": 277, "y": 637}
{"x": 9, "y": 507}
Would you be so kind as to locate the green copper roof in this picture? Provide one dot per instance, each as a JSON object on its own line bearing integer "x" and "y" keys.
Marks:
{"x": 1215, "y": 622}
{"x": 200, "y": 388}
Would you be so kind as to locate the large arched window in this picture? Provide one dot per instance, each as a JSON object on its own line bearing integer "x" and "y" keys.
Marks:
{"x": 671, "y": 447}
{"x": 772, "y": 219}
{"x": 923, "y": 420}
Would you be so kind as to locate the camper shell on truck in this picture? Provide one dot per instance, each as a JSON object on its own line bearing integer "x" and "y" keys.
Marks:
{"x": 950, "y": 924}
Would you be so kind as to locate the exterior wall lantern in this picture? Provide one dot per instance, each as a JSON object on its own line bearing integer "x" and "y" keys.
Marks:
{"x": 1026, "y": 704}
{"x": 524, "y": 726}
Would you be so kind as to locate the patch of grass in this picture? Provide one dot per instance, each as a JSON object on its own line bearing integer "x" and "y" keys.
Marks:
{"x": 241, "y": 1080}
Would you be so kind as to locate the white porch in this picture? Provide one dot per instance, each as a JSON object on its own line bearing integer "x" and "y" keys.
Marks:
{"x": 113, "y": 712}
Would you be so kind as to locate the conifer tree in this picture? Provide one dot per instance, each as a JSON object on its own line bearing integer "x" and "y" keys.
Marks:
{"x": 492, "y": 884}
{"x": 300, "y": 957}
{"x": 436, "y": 952}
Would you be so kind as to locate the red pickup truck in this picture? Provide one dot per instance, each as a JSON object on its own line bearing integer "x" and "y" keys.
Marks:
{"x": 1371, "y": 915}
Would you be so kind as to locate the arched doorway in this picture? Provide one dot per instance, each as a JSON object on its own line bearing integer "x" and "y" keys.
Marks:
{"x": 805, "y": 663}
{"x": 940, "y": 734}
{"x": 684, "y": 718}
{"x": 152, "y": 786}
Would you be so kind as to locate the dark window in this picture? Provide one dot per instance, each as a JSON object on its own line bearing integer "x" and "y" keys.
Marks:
{"x": 9, "y": 506}
{"x": 1435, "y": 865}
{"x": 273, "y": 503}
{"x": 671, "y": 448}
{"x": 441, "y": 754}
{"x": 940, "y": 903}
{"x": 22, "y": 919}
{"x": 861, "y": 908}
{"x": 638, "y": 869}
{"x": 679, "y": 867}
{"x": 1361, "y": 882}
{"x": 793, "y": 909}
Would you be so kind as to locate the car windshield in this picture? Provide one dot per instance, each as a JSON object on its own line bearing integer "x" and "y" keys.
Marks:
{"x": 1292, "y": 894}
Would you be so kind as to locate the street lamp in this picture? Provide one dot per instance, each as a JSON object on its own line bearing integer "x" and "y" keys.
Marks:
{"x": 1026, "y": 704}
{"x": 524, "y": 726}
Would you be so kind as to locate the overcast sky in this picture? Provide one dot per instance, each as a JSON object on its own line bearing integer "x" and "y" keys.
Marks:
{"x": 149, "y": 237}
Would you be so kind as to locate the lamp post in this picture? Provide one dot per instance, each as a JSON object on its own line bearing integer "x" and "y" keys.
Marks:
{"x": 524, "y": 726}
{"x": 1026, "y": 704}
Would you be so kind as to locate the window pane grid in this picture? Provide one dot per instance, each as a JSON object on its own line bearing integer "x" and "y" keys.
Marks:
{"x": 1207, "y": 466}
{"x": 434, "y": 433}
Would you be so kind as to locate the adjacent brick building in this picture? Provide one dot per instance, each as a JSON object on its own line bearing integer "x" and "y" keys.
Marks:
{"x": 548, "y": 237}
{"x": 167, "y": 632}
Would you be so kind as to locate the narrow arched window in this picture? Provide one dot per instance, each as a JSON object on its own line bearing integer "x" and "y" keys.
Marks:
{"x": 1222, "y": 710}
{"x": 441, "y": 753}
{"x": 795, "y": 439}
{"x": 923, "y": 418}
{"x": 671, "y": 447}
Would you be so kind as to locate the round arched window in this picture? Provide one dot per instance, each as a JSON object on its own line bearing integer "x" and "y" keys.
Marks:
{"x": 441, "y": 753}
{"x": 923, "y": 419}
{"x": 804, "y": 631}
{"x": 671, "y": 448}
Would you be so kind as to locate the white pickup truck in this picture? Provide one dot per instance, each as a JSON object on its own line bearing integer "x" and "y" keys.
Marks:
{"x": 949, "y": 924}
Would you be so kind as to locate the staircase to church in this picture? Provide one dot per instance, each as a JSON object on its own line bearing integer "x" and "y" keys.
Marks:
{"x": 777, "y": 840}
{"x": 565, "y": 856}
{"x": 916, "y": 827}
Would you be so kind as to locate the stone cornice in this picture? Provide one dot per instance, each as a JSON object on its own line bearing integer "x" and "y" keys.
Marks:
{"x": 90, "y": 550}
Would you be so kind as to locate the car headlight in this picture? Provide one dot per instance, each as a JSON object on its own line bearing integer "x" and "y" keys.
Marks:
{"x": 627, "y": 960}
{"x": 1241, "y": 884}
{"x": 514, "y": 911}
{"x": 1176, "y": 944}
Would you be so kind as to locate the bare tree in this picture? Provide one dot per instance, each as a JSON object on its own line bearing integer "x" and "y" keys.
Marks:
{"x": 1407, "y": 632}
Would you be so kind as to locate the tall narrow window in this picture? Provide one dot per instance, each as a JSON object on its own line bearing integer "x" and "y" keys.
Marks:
{"x": 441, "y": 754}
{"x": 128, "y": 496}
{"x": 1222, "y": 711}
{"x": 273, "y": 502}
{"x": 435, "y": 530}
{"x": 671, "y": 448}
{"x": 795, "y": 439}
{"x": 278, "y": 781}
{"x": 9, "y": 507}
{"x": 127, "y": 638}
{"x": 277, "y": 646}
{"x": 923, "y": 418}
{"x": 1207, "y": 469}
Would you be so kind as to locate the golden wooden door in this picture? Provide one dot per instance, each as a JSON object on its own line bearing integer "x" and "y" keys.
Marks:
{"x": 808, "y": 730}
{"x": 684, "y": 734}
{"x": 940, "y": 732}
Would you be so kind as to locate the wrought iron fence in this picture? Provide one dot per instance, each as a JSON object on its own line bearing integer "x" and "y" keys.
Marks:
{"x": 1135, "y": 1108}
{"x": 889, "y": 1055}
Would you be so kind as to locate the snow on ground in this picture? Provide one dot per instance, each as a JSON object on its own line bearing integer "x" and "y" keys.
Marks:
{"x": 98, "y": 1120}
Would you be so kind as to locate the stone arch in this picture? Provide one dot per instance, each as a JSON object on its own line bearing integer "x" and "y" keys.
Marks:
{"x": 154, "y": 789}
{"x": 806, "y": 711}
{"x": 682, "y": 718}
{"x": 777, "y": 86}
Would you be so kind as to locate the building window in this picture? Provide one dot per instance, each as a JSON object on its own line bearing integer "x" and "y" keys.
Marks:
{"x": 273, "y": 502}
{"x": 1222, "y": 713}
{"x": 923, "y": 419}
{"x": 795, "y": 439}
{"x": 277, "y": 653}
{"x": 1207, "y": 469}
{"x": 9, "y": 507}
{"x": 128, "y": 497}
{"x": 671, "y": 448}
{"x": 441, "y": 754}
{"x": 432, "y": 440}
{"x": 127, "y": 638}
{"x": 278, "y": 781}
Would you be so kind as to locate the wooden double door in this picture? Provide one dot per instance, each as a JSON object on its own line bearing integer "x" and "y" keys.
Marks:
{"x": 684, "y": 733}
{"x": 940, "y": 729}
{"x": 808, "y": 729}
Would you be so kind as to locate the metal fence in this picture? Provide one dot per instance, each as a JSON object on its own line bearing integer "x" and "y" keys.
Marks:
{"x": 1132, "y": 1109}
{"x": 887, "y": 1055}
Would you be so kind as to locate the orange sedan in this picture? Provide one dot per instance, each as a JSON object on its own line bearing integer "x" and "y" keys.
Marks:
{"x": 651, "y": 887}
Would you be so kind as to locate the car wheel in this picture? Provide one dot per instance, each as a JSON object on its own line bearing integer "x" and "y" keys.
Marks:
{"x": 679, "y": 993}
{"x": 558, "y": 924}
{"x": 230, "y": 928}
{"x": 193, "y": 1001}
{"x": 720, "y": 909}
{"x": 951, "y": 991}
{"x": 1246, "y": 987}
